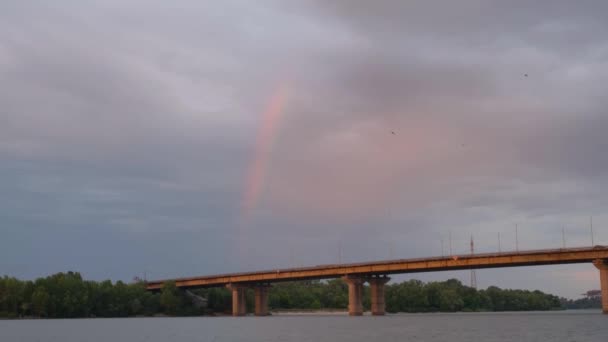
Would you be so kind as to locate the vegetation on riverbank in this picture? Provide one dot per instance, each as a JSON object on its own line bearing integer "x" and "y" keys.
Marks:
{"x": 67, "y": 295}
{"x": 591, "y": 300}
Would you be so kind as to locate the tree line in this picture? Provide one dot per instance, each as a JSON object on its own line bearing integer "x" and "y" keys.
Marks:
{"x": 582, "y": 303}
{"x": 68, "y": 295}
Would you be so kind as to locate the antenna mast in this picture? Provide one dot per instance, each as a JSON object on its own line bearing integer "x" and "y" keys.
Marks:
{"x": 450, "y": 233}
{"x": 499, "y": 248}
{"x": 516, "y": 239}
{"x": 591, "y": 225}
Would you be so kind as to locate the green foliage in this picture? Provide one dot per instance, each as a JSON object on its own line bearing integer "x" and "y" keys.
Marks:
{"x": 411, "y": 296}
{"x": 582, "y": 303}
{"x": 452, "y": 295}
{"x": 65, "y": 295}
{"x": 408, "y": 296}
{"x": 219, "y": 299}
{"x": 40, "y": 299}
{"x": 169, "y": 298}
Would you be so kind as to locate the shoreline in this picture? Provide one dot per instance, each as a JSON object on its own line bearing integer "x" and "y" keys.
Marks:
{"x": 337, "y": 313}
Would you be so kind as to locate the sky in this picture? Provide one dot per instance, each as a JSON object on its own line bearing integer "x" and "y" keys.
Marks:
{"x": 184, "y": 138}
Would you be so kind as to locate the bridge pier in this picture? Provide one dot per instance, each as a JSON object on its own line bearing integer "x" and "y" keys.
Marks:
{"x": 355, "y": 295}
{"x": 376, "y": 284}
{"x": 602, "y": 266}
{"x": 261, "y": 299}
{"x": 239, "y": 307}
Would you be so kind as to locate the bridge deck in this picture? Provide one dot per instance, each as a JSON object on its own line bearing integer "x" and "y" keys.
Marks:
{"x": 456, "y": 262}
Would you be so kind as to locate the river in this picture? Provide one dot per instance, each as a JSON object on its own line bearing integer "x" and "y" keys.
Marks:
{"x": 563, "y": 326}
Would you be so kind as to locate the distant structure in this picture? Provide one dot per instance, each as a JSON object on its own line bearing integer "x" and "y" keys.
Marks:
{"x": 376, "y": 274}
{"x": 473, "y": 275}
{"x": 592, "y": 294}
{"x": 197, "y": 300}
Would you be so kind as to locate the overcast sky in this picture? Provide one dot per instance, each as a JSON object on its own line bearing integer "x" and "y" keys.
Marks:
{"x": 197, "y": 137}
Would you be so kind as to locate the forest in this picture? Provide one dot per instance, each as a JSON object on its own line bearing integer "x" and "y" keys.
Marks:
{"x": 68, "y": 295}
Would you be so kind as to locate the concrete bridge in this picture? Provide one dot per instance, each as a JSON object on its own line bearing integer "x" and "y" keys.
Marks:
{"x": 376, "y": 274}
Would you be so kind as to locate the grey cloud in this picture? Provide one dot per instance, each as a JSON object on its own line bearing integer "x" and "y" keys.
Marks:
{"x": 138, "y": 119}
{"x": 465, "y": 20}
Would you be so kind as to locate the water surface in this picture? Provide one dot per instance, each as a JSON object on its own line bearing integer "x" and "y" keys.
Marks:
{"x": 581, "y": 326}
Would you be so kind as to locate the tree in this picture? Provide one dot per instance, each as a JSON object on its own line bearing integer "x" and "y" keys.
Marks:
{"x": 450, "y": 301}
{"x": 68, "y": 295}
{"x": 169, "y": 299}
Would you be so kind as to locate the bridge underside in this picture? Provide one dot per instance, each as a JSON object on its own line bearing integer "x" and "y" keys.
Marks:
{"x": 376, "y": 273}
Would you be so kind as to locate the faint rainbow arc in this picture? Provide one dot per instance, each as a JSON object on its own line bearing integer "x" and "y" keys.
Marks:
{"x": 266, "y": 137}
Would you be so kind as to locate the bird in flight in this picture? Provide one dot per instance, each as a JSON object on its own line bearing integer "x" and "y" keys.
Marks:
{"x": 393, "y": 133}
{"x": 525, "y": 75}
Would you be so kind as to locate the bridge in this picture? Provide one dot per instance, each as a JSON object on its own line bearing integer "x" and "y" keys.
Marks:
{"x": 376, "y": 274}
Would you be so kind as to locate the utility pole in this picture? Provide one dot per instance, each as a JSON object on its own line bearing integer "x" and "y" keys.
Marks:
{"x": 591, "y": 225}
{"x": 473, "y": 275}
{"x": 563, "y": 237}
{"x": 499, "y": 248}
{"x": 339, "y": 252}
{"x": 442, "y": 249}
{"x": 450, "y": 233}
{"x": 516, "y": 239}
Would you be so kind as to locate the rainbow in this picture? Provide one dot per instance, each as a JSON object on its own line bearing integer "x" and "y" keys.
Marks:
{"x": 266, "y": 137}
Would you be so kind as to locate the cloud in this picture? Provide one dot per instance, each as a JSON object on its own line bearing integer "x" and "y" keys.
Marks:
{"x": 405, "y": 120}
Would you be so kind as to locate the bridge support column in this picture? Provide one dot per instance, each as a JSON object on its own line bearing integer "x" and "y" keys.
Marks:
{"x": 355, "y": 295}
{"x": 261, "y": 300}
{"x": 602, "y": 265}
{"x": 239, "y": 307}
{"x": 377, "y": 294}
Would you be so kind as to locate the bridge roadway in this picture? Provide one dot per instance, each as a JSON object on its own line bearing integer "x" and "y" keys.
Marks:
{"x": 355, "y": 274}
